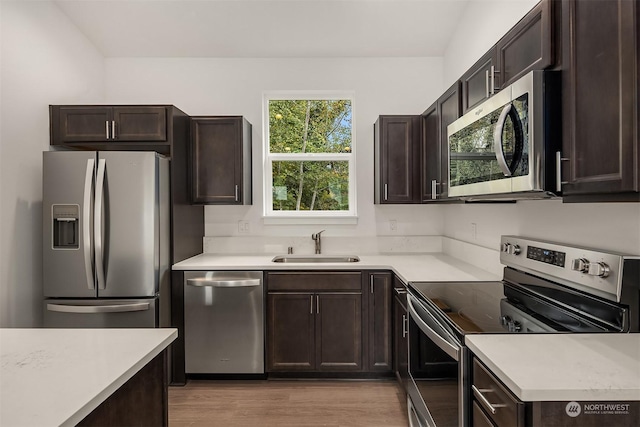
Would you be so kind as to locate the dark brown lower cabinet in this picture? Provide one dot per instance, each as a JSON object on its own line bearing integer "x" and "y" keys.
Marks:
{"x": 290, "y": 332}
{"x": 320, "y": 332}
{"x": 380, "y": 299}
{"x": 338, "y": 332}
{"x": 141, "y": 401}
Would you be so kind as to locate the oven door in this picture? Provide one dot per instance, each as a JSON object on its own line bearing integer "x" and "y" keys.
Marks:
{"x": 436, "y": 368}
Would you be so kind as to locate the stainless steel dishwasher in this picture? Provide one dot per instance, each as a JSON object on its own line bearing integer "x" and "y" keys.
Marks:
{"x": 224, "y": 322}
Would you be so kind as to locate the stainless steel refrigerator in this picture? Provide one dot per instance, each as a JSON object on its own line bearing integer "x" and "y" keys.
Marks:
{"x": 106, "y": 239}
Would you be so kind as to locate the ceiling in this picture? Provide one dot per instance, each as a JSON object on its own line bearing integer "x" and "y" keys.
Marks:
{"x": 266, "y": 28}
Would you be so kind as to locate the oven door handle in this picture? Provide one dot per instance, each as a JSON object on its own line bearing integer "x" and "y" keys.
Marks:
{"x": 446, "y": 346}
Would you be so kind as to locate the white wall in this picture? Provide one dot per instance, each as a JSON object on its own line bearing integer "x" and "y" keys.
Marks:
{"x": 45, "y": 60}
{"x": 613, "y": 226}
{"x": 481, "y": 25}
{"x": 235, "y": 86}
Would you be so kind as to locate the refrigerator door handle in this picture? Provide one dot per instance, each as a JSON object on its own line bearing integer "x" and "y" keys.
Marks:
{"x": 97, "y": 224}
{"x": 86, "y": 224}
{"x": 87, "y": 309}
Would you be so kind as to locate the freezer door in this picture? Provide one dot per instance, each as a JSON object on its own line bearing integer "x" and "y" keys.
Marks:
{"x": 127, "y": 224}
{"x": 133, "y": 313}
{"x": 67, "y": 223}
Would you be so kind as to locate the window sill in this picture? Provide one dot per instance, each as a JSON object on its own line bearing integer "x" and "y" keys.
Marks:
{"x": 320, "y": 220}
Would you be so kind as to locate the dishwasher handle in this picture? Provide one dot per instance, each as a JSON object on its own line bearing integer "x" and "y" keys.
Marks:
{"x": 224, "y": 282}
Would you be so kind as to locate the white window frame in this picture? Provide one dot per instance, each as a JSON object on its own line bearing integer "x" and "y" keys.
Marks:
{"x": 314, "y": 217}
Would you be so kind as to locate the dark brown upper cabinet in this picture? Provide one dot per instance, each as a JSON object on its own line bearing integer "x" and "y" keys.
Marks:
{"x": 431, "y": 152}
{"x": 221, "y": 160}
{"x": 397, "y": 142}
{"x": 435, "y": 143}
{"x": 600, "y": 94}
{"x": 479, "y": 82}
{"x": 70, "y": 124}
{"x": 528, "y": 46}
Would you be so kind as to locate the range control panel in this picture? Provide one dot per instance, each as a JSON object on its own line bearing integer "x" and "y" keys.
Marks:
{"x": 546, "y": 255}
{"x": 590, "y": 270}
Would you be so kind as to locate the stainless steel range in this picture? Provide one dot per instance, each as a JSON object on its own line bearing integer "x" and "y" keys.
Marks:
{"x": 547, "y": 287}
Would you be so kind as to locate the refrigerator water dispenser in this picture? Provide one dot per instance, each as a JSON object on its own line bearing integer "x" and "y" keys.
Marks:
{"x": 65, "y": 226}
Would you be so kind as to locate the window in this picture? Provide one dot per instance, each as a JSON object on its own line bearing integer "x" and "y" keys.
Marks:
{"x": 309, "y": 155}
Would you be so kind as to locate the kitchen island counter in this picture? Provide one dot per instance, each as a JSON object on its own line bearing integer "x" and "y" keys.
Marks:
{"x": 59, "y": 376}
{"x": 428, "y": 267}
{"x": 563, "y": 367}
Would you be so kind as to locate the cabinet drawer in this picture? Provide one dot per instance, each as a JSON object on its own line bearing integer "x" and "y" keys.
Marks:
{"x": 487, "y": 390}
{"x": 315, "y": 281}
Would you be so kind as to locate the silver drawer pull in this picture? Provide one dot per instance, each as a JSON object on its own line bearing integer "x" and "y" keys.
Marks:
{"x": 481, "y": 397}
{"x": 400, "y": 291}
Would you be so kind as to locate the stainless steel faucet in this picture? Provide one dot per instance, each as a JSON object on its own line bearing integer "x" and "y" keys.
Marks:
{"x": 316, "y": 237}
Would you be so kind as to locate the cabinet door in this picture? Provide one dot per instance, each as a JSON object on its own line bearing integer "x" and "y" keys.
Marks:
{"x": 398, "y": 159}
{"x": 290, "y": 332}
{"x": 380, "y": 311}
{"x": 216, "y": 149}
{"x": 431, "y": 148}
{"x": 139, "y": 124}
{"x": 600, "y": 98}
{"x": 528, "y": 45}
{"x": 339, "y": 332}
{"x": 479, "y": 82}
{"x": 80, "y": 124}
{"x": 449, "y": 109}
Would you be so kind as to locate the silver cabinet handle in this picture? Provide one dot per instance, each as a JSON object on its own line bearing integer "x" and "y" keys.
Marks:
{"x": 115, "y": 308}
{"x": 86, "y": 224}
{"x": 223, "y": 282}
{"x": 236, "y": 192}
{"x": 386, "y": 192}
{"x": 113, "y": 129}
{"x": 371, "y": 284}
{"x": 559, "y": 181}
{"x": 485, "y": 402}
{"x": 106, "y": 125}
{"x": 404, "y": 325}
{"x": 493, "y": 80}
{"x": 434, "y": 189}
{"x": 97, "y": 224}
{"x": 486, "y": 83}
{"x": 311, "y": 310}
{"x": 317, "y": 304}
{"x": 400, "y": 291}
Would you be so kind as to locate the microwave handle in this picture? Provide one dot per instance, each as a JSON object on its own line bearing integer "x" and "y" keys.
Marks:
{"x": 497, "y": 140}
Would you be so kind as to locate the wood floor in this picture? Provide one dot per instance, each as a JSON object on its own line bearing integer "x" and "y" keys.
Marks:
{"x": 287, "y": 403}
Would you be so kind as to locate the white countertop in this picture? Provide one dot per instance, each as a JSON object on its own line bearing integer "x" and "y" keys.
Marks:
{"x": 54, "y": 377}
{"x": 563, "y": 367}
{"x": 431, "y": 267}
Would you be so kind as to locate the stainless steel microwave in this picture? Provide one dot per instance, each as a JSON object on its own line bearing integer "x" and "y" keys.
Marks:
{"x": 509, "y": 146}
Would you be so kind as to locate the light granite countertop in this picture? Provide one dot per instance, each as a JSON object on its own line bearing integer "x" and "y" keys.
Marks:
{"x": 563, "y": 367}
{"x": 56, "y": 377}
{"x": 429, "y": 267}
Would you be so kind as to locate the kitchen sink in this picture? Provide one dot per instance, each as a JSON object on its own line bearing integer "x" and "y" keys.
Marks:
{"x": 315, "y": 258}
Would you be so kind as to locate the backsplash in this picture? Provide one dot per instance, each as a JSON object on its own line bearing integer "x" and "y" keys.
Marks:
{"x": 330, "y": 245}
{"x": 478, "y": 256}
